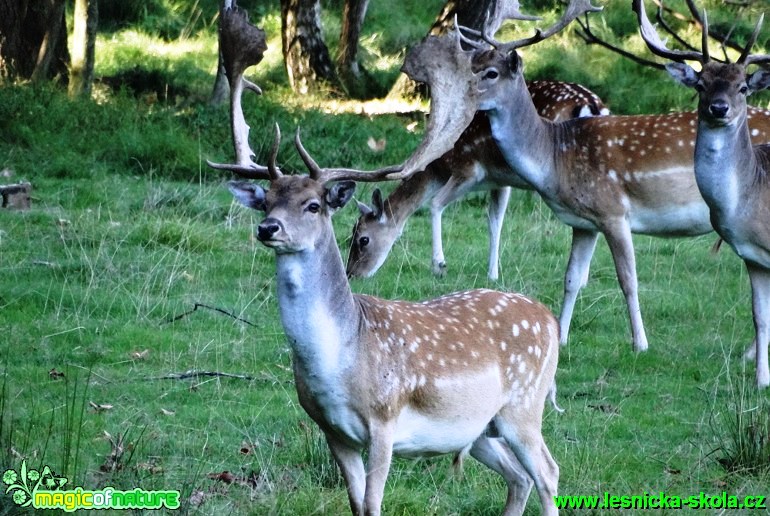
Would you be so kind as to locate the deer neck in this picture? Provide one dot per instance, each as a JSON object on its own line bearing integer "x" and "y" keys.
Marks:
{"x": 317, "y": 308}
{"x": 412, "y": 193}
{"x": 723, "y": 154}
{"x": 525, "y": 139}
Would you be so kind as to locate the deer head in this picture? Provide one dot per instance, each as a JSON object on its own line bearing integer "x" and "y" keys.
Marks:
{"x": 722, "y": 87}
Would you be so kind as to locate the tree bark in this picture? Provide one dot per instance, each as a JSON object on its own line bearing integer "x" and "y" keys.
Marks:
{"x": 305, "y": 54}
{"x": 33, "y": 40}
{"x": 470, "y": 13}
{"x": 86, "y": 20}
{"x": 352, "y": 76}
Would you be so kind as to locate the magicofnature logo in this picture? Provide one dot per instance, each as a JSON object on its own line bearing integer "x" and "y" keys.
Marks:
{"x": 43, "y": 490}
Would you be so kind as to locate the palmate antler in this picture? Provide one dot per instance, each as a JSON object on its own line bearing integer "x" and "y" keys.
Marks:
{"x": 440, "y": 62}
{"x": 243, "y": 45}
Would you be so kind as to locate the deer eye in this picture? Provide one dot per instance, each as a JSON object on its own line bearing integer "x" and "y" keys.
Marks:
{"x": 699, "y": 87}
{"x": 363, "y": 241}
{"x": 744, "y": 89}
{"x": 491, "y": 74}
{"x": 313, "y": 207}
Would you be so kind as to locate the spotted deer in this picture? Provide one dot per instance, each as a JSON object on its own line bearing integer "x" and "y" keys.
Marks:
{"x": 614, "y": 175}
{"x": 474, "y": 163}
{"x": 731, "y": 173}
{"x": 467, "y": 372}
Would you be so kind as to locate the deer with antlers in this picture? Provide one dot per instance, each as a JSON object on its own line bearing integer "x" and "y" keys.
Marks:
{"x": 474, "y": 163}
{"x": 466, "y": 373}
{"x": 731, "y": 173}
{"x": 614, "y": 175}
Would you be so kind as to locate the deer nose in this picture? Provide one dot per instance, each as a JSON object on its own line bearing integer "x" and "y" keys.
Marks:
{"x": 719, "y": 108}
{"x": 267, "y": 228}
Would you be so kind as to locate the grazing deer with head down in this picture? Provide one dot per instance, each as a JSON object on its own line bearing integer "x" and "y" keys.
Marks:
{"x": 732, "y": 174}
{"x": 614, "y": 175}
{"x": 474, "y": 163}
{"x": 465, "y": 373}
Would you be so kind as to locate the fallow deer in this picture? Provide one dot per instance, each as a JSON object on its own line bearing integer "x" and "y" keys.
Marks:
{"x": 731, "y": 173}
{"x": 468, "y": 372}
{"x": 474, "y": 163}
{"x": 614, "y": 175}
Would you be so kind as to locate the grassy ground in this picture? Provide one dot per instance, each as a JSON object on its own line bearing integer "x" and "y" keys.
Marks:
{"x": 130, "y": 230}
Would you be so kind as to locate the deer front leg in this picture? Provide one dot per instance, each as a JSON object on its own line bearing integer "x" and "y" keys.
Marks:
{"x": 454, "y": 189}
{"x": 760, "y": 304}
{"x": 352, "y": 467}
{"x": 378, "y": 465}
{"x": 576, "y": 277}
{"x": 498, "y": 203}
{"x": 618, "y": 235}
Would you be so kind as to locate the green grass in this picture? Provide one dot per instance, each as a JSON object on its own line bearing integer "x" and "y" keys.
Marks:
{"x": 130, "y": 229}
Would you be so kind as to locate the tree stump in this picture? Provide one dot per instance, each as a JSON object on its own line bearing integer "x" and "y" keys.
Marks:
{"x": 16, "y": 197}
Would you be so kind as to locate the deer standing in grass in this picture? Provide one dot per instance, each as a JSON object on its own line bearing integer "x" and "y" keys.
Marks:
{"x": 732, "y": 174}
{"x": 465, "y": 373}
{"x": 474, "y": 163}
{"x": 614, "y": 175}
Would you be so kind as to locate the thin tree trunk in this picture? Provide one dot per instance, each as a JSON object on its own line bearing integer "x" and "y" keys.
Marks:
{"x": 307, "y": 59}
{"x": 86, "y": 20}
{"x": 352, "y": 76}
{"x": 53, "y": 44}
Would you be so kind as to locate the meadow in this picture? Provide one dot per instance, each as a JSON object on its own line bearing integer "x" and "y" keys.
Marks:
{"x": 112, "y": 374}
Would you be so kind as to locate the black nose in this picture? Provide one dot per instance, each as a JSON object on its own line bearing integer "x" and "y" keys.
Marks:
{"x": 267, "y": 228}
{"x": 719, "y": 108}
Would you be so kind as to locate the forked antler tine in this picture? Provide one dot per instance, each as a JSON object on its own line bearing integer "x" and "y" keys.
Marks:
{"x": 327, "y": 175}
{"x": 575, "y": 9}
{"x": 653, "y": 41}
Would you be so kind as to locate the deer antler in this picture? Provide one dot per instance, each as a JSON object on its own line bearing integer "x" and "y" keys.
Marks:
{"x": 587, "y": 35}
{"x": 658, "y": 47}
{"x": 575, "y": 9}
{"x": 242, "y": 45}
{"x": 427, "y": 62}
{"x": 327, "y": 175}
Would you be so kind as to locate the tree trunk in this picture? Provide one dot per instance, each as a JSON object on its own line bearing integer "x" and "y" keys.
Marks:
{"x": 86, "y": 20}
{"x": 353, "y": 77}
{"x": 33, "y": 40}
{"x": 470, "y": 13}
{"x": 221, "y": 90}
{"x": 305, "y": 55}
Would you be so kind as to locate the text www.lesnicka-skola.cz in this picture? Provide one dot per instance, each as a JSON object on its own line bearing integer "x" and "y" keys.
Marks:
{"x": 661, "y": 500}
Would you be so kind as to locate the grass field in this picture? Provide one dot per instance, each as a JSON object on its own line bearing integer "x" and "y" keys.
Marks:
{"x": 129, "y": 230}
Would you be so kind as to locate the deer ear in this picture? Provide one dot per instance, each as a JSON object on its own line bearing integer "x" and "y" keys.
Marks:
{"x": 250, "y": 195}
{"x": 378, "y": 206}
{"x": 339, "y": 194}
{"x": 758, "y": 80}
{"x": 683, "y": 74}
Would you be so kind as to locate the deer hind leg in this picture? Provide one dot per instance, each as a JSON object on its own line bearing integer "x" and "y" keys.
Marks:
{"x": 498, "y": 203}
{"x": 522, "y": 432}
{"x": 496, "y": 455}
{"x": 454, "y": 189}
{"x": 760, "y": 297}
{"x": 352, "y": 467}
{"x": 618, "y": 236}
{"x": 576, "y": 277}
